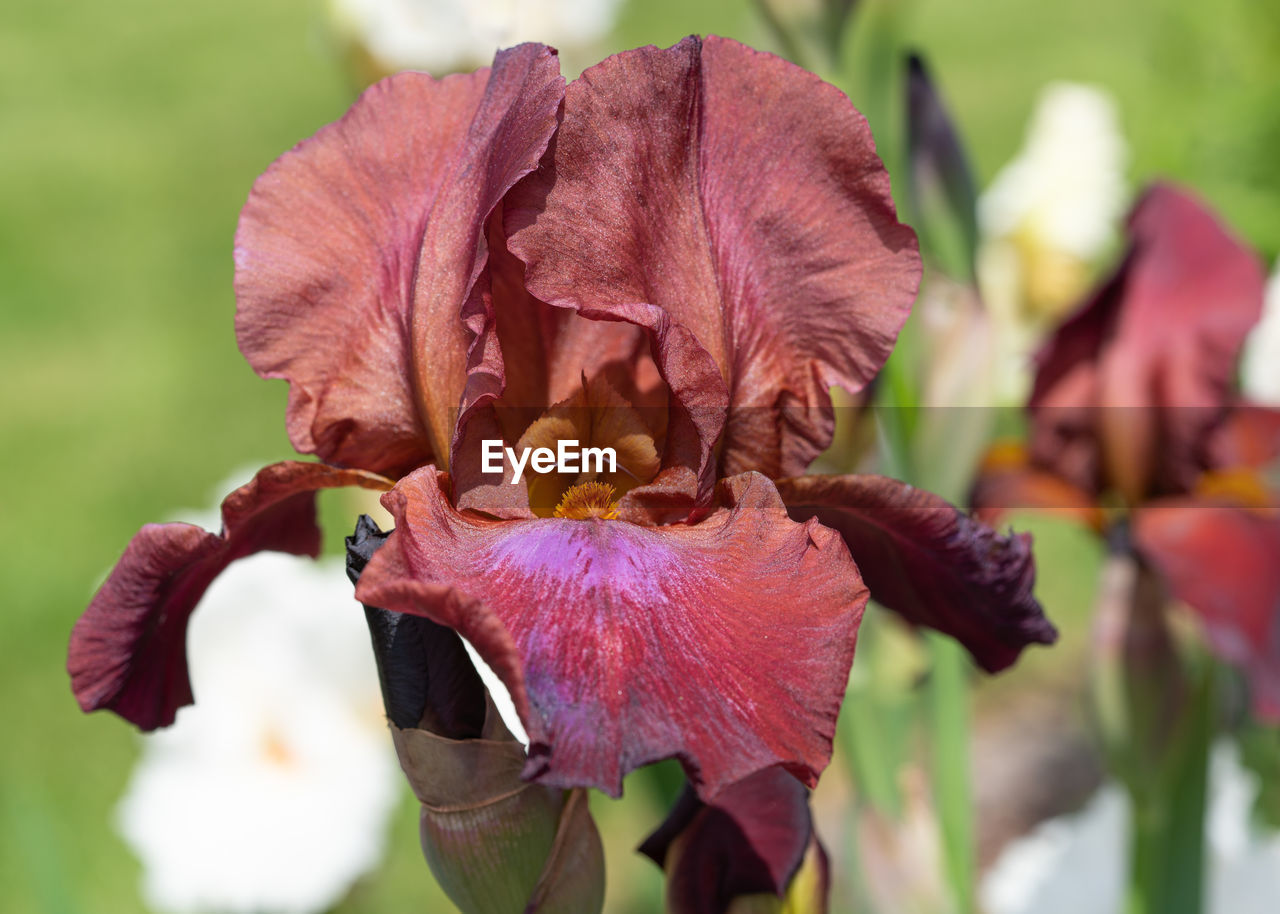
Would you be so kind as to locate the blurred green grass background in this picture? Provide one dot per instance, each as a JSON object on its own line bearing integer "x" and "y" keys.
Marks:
{"x": 130, "y": 134}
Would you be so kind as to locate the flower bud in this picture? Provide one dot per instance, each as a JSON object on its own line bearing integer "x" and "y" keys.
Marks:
{"x": 495, "y": 842}
{"x": 940, "y": 188}
{"x": 750, "y": 849}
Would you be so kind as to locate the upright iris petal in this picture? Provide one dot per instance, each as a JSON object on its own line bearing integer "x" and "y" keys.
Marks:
{"x": 358, "y": 249}
{"x": 745, "y": 198}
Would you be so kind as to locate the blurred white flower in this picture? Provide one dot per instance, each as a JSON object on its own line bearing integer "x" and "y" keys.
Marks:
{"x": 1260, "y": 366}
{"x": 1047, "y": 218}
{"x": 446, "y": 36}
{"x": 1067, "y": 184}
{"x": 272, "y": 793}
{"x": 1073, "y": 863}
{"x": 1078, "y": 863}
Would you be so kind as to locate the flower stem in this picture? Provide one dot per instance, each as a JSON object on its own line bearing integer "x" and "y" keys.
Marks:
{"x": 1167, "y": 851}
{"x": 871, "y": 749}
{"x": 896, "y": 417}
{"x": 948, "y": 691}
{"x": 949, "y": 718}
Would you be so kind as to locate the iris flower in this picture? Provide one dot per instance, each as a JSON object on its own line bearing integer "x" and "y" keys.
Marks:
{"x": 1136, "y": 430}
{"x": 677, "y": 256}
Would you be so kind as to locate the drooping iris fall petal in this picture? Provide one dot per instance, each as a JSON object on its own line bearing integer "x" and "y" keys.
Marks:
{"x": 128, "y": 650}
{"x": 1222, "y": 562}
{"x": 928, "y": 561}
{"x": 1127, "y": 390}
{"x": 748, "y": 839}
{"x": 724, "y": 643}
{"x": 357, "y": 251}
{"x": 744, "y": 197}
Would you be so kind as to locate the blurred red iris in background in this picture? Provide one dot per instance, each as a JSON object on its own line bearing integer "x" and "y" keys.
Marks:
{"x": 1136, "y": 430}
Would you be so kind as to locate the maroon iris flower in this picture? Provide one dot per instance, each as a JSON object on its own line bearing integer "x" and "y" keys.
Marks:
{"x": 676, "y": 257}
{"x": 1134, "y": 426}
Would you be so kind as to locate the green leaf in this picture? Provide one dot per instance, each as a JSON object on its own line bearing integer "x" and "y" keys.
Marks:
{"x": 1260, "y": 753}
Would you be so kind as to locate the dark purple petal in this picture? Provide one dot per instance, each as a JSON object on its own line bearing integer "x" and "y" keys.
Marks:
{"x": 725, "y": 643}
{"x": 743, "y": 197}
{"x": 428, "y": 681}
{"x": 748, "y": 839}
{"x": 927, "y": 560}
{"x": 128, "y": 650}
